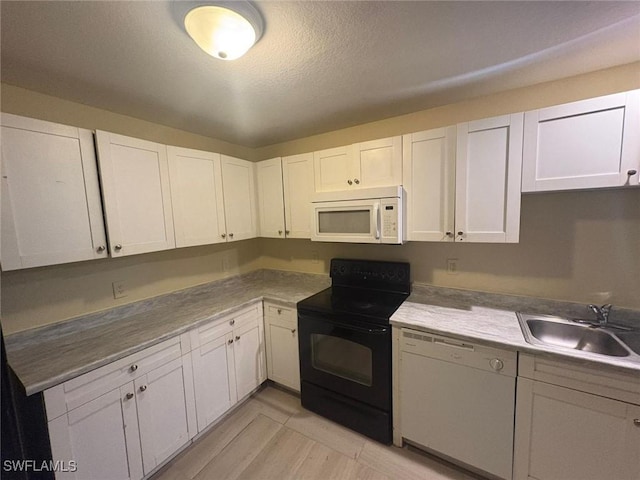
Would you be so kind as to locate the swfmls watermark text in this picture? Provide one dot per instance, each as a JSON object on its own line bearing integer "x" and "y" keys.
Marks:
{"x": 39, "y": 466}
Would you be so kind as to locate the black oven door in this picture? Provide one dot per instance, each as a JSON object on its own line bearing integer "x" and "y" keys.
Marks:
{"x": 346, "y": 356}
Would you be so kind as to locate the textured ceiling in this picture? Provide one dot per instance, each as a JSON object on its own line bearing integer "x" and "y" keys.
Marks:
{"x": 319, "y": 66}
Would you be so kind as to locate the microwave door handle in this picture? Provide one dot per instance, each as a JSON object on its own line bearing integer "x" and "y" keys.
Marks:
{"x": 376, "y": 212}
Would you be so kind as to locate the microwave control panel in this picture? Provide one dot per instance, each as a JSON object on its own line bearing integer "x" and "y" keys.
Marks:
{"x": 391, "y": 213}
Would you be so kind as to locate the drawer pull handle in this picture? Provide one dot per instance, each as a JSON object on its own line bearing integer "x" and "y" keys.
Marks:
{"x": 134, "y": 367}
{"x": 279, "y": 311}
{"x": 129, "y": 396}
{"x": 232, "y": 322}
{"x": 636, "y": 422}
{"x": 143, "y": 388}
{"x": 293, "y": 331}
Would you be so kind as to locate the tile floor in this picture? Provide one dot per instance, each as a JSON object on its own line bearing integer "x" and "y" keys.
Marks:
{"x": 271, "y": 436}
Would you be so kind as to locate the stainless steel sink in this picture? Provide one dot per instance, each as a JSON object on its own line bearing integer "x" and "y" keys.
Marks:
{"x": 563, "y": 333}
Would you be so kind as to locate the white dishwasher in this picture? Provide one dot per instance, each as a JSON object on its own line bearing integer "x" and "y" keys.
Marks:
{"x": 457, "y": 399}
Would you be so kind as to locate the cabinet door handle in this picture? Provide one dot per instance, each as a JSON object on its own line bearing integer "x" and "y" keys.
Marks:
{"x": 349, "y": 182}
{"x": 449, "y": 234}
{"x": 230, "y": 341}
{"x": 224, "y": 235}
{"x": 631, "y": 172}
{"x": 231, "y": 235}
{"x": 287, "y": 232}
{"x": 279, "y": 311}
{"x": 356, "y": 181}
{"x": 293, "y": 331}
{"x": 101, "y": 248}
{"x": 134, "y": 367}
{"x": 128, "y": 396}
{"x": 237, "y": 337}
{"x": 461, "y": 233}
{"x": 279, "y": 232}
{"x": 232, "y": 321}
{"x": 143, "y": 388}
{"x": 636, "y": 422}
{"x": 118, "y": 247}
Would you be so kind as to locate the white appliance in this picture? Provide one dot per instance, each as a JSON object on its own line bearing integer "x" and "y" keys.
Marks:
{"x": 457, "y": 400}
{"x": 367, "y": 215}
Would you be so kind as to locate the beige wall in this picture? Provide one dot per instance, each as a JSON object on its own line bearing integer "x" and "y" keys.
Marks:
{"x": 39, "y": 296}
{"x": 603, "y": 82}
{"x": 575, "y": 246}
{"x": 45, "y": 107}
{"x": 578, "y": 246}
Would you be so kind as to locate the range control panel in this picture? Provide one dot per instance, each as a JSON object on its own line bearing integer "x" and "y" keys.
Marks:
{"x": 393, "y": 276}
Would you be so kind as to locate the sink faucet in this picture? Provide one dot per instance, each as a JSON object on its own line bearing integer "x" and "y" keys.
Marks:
{"x": 602, "y": 313}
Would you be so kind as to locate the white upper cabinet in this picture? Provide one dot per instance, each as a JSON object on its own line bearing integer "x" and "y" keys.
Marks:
{"x": 270, "y": 198}
{"x": 51, "y": 210}
{"x": 376, "y": 163}
{"x": 333, "y": 169}
{"x": 197, "y": 196}
{"x": 239, "y": 198}
{"x": 488, "y": 176}
{"x": 136, "y": 192}
{"x": 429, "y": 181}
{"x": 587, "y": 144}
{"x": 297, "y": 176}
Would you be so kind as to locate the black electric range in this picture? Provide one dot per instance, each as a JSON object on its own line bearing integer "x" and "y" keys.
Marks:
{"x": 345, "y": 344}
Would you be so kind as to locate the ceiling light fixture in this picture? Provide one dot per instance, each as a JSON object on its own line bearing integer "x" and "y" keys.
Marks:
{"x": 225, "y": 30}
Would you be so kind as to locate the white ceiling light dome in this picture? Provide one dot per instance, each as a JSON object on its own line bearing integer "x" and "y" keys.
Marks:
{"x": 225, "y": 30}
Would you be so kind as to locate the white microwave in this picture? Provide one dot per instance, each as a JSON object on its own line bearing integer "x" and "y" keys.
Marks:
{"x": 367, "y": 215}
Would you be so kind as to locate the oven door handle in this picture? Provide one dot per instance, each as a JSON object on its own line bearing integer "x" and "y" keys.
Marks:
{"x": 374, "y": 331}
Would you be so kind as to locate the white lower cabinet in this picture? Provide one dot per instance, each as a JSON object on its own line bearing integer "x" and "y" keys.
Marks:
{"x": 145, "y": 415}
{"x": 281, "y": 338}
{"x": 575, "y": 433}
{"x": 228, "y": 362}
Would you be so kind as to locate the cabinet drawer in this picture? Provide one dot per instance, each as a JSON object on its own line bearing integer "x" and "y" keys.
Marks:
{"x": 247, "y": 316}
{"x": 80, "y": 390}
{"x": 278, "y": 315}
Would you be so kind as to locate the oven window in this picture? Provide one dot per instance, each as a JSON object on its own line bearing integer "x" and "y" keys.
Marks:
{"x": 351, "y": 221}
{"x": 343, "y": 358}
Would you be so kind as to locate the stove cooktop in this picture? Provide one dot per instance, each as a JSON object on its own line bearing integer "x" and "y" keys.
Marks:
{"x": 376, "y": 305}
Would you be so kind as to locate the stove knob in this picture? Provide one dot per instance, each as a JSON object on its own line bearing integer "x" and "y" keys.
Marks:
{"x": 496, "y": 364}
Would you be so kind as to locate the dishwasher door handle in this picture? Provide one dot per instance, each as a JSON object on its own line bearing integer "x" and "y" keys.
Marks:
{"x": 462, "y": 346}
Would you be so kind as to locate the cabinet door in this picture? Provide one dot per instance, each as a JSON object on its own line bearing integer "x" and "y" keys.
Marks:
{"x": 588, "y": 144}
{"x": 249, "y": 359}
{"x": 214, "y": 379}
{"x": 101, "y": 437}
{"x": 166, "y": 411}
{"x": 137, "y": 197}
{"x": 429, "y": 182}
{"x": 51, "y": 210}
{"x": 239, "y": 198}
{"x": 270, "y": 198}
{"x": 378, "y": 163}
{"x": 333, "y": 169}
{"x": 565, "y": 434}
{"x": 281, "y": 339}
{"x": 297, "y": 176}
{"x": 488, "y": 174}
{"x": 196, "y": 196}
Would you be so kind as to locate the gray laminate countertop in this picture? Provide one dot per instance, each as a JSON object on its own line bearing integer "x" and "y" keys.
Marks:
{"x": 44, "y": 357}
{"x": 491, "y": 318}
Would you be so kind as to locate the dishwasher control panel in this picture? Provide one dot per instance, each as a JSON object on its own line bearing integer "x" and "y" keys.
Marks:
{"x": 503, "y": 362}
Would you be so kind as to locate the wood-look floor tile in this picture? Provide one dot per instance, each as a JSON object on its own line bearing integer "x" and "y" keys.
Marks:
{"x": 170, "y": 472}
{"x": 401, "y": 463}
{"x": 286, "y": 403}
{"x": 241, "y": 451}
{"x": 325, "y": 431}
{"x": 281, "y": 457}
{"x": 323, "y": 463}
{"x": 196, "y": 457}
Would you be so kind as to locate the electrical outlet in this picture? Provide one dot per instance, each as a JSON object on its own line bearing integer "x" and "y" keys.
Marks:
{"x": 452, "y": 266}
{"x": 119, "y": 290}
